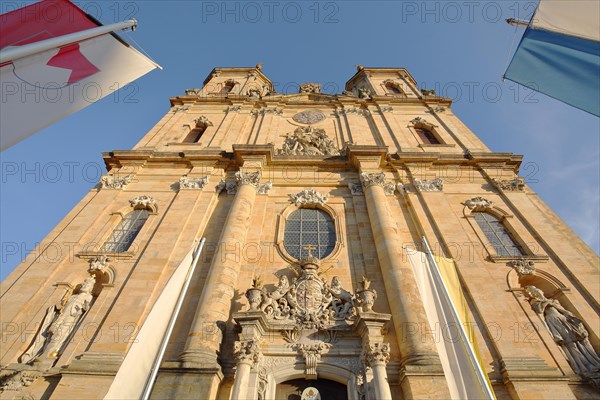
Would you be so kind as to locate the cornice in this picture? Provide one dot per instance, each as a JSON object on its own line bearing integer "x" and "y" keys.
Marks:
{"x": 502, "y": 160}
{"x": 120, "y": 158}
{"x": 242, "y": 152}
{"x": 308, "y": 99}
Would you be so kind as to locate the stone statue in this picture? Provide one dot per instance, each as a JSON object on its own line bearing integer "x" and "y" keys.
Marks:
{"x": 60, "y": 322}
{"x": 270, "y": 300}
{"x": 342, "y": 302}
{"x": 308, "y": 141}
{"x": 364, "y": 93}
{"x": 569, "y": 333}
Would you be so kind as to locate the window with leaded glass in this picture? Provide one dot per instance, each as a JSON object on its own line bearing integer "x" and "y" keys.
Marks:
{"x": 309, "y": 226}
{"x": 125, "y": 233}
{"x": 498, "y": 235}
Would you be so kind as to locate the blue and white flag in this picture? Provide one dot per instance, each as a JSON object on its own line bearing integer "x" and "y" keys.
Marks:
{"x": 559, "y": 54}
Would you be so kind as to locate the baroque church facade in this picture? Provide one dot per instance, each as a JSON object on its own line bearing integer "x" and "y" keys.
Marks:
{"x": 309, "y": 204}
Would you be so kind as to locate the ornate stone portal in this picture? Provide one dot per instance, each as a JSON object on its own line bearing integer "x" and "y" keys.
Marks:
{"x": 306, "y": 320}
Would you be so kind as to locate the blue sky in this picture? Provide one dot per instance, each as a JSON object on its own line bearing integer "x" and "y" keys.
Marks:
{"x": 461, "y": 49}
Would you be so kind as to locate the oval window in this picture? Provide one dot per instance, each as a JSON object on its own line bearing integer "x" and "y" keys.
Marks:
{"x": 309, "y": 226}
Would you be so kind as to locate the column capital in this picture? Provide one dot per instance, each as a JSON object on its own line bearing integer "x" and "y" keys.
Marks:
{"x": 373, "y": 178}
{"x": 247, "y": 352}
{"x": 376, "y": 353}
{"x": 377, "y": 178}
{"x": 248, "y": 178}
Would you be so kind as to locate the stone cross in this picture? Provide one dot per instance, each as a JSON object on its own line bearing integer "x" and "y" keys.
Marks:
{"x": 309, "y": 248}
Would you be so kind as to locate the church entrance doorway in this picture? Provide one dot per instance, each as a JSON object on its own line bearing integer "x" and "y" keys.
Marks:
{"x": 302, "y": 389}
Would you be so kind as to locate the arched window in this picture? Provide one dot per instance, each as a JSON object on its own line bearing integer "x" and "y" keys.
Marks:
{"x": 309, "y": 226}
{"x": 497, "y": 235}
{"x": 195, "y": 134}
{"x": 393, "y": 88}
{"x": 125, "y": 233}
{"x": 426, "y": 135}
{"x": 227, "y": 86}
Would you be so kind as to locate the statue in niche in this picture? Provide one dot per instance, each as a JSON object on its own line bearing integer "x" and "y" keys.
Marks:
{"x": 59, "y": 322}
{"x": 569, "y": 333}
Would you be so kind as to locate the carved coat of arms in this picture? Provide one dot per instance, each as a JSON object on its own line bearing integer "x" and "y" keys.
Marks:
{"x": 308, "y": 301}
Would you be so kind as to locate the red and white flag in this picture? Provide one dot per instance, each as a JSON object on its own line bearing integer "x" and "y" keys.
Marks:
{"x": 44, "y": 87}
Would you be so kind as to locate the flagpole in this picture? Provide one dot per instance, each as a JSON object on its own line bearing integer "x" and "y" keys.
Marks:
{"x": 465, "y": 338}
{"x": 169, "y": 331}
{"x": 13, "y": 53}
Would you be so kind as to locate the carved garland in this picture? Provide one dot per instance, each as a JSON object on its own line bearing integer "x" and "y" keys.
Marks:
{"x": 478, "y": 204}
{"x": 115, "y": 182}
{"x": 188, "y": 183}
{"x": 510, "y": 185}
{"x": 144, "y": 202}
{"x": 429, "y": 185}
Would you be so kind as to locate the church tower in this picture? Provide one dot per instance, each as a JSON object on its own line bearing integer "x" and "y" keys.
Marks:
{"x": 310, "y": 205}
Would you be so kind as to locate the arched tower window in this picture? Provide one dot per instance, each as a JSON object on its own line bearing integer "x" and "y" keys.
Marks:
{"x": 497, "y": 235}
{"x": 393, "y": 88}
{"x": 125, "y": 233}
{"x": 227, "y": 86}
{"x": 426, "y": 135}
{"x": 309, "y": 226}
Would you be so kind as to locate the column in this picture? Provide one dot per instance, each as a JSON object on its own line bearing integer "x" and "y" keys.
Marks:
{"x": 375, "y": 353}
{"x": 247, "y": 354}
{"x": 401, "y": 288}
{"x": 214, "y": 306}
{"x": 376, "y": 356}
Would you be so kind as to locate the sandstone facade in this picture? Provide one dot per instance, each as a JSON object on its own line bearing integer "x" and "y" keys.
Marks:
{"x": 231, "y": 162}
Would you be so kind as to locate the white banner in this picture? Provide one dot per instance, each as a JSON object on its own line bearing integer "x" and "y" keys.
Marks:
{"x": 43, "y": 88}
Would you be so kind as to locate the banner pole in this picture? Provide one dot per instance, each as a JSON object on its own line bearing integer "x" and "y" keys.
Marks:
{"x": 169, "y": 331}
{"x": 446, "y": 295}
{"x": 13, "y": 53}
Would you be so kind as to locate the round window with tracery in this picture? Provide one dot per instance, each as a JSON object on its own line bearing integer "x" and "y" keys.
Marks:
{"x": 309, "y": 226}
